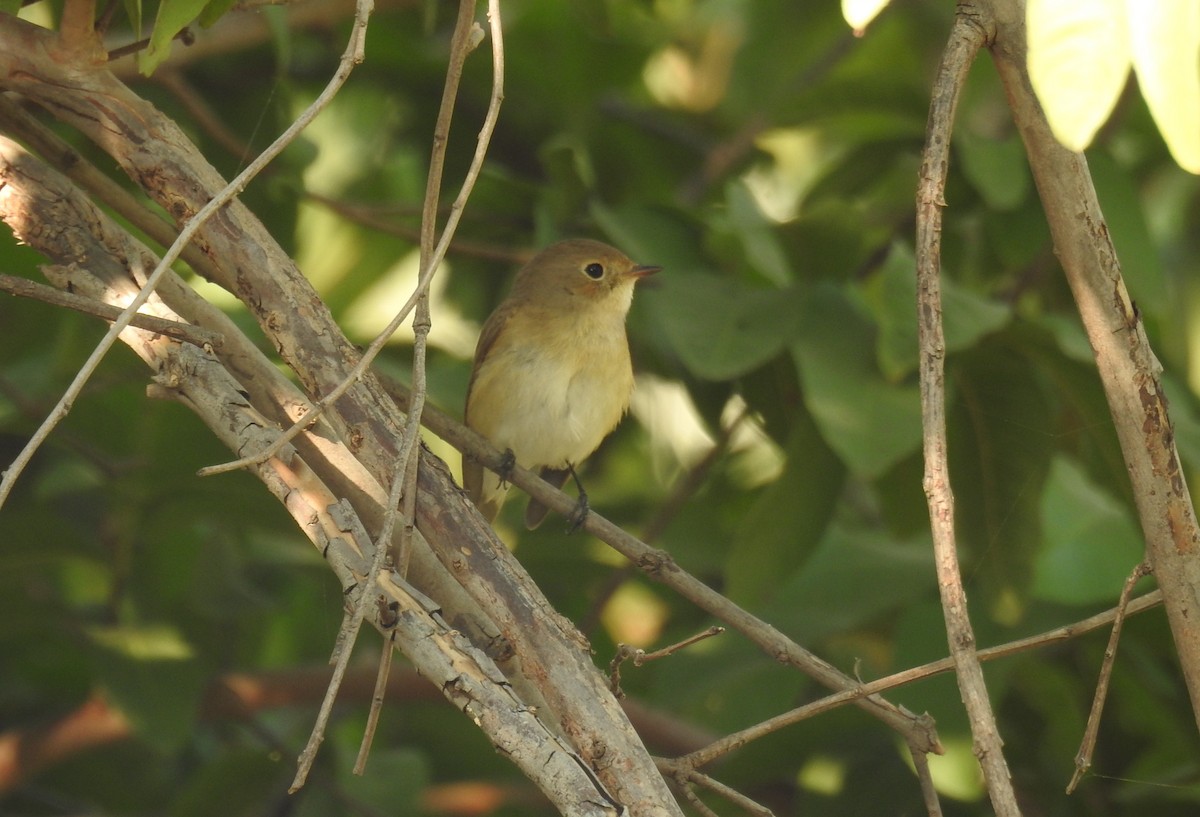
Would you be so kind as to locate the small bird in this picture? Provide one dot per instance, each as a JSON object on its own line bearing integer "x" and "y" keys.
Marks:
{"x": 552, "y": 375}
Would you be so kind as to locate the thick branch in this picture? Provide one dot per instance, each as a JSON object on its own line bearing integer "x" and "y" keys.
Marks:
{"x": 1128, "y": 368}
{"x": 157, "y": 155}
{"x": 467, "y": 677}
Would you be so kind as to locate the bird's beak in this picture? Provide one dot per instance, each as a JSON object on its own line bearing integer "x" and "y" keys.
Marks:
{"x": 641, "y": 271}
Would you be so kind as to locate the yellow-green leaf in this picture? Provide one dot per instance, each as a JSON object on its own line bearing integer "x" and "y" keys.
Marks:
{"x": 1079, "y": 61}
{"x": 859, "y": 13}
{"x": 173, "y": 16}
{"x": 1165, "y": 41}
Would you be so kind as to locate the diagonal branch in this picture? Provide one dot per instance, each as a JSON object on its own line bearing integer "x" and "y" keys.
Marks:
{"x": 552, "y": 656}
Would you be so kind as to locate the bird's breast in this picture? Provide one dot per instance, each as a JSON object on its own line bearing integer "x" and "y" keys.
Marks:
{"x": 553, "y": 402}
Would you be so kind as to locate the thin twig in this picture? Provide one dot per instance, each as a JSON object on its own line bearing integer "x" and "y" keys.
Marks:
{"x": 1087, "y": 747}
{"x": 699, "y": 805}
{"x": 353, "y": 56}
{"x": 640, "y": 656}
{"x": 404, "y": 479}
{"x": 381, "y": 681}
{"x": 966, "y": 38}
{"x": 24, "y": 288}
{"x": 736, "y": 740}
{"x": 933, "y": 805}
{"x": 426, "y": 275}
{"x": 732, "y": 795}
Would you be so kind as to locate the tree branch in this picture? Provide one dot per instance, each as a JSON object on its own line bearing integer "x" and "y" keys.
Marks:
{"x": 966, "y": 38}
{"x": 1128, "y": 369}
{"x": 546, "y": 651}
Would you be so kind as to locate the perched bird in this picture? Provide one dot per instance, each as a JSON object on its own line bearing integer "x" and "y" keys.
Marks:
{"x": 552, "y": 375}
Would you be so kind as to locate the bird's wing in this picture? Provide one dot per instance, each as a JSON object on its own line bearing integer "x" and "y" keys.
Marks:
{"x": 487, "y": 497}
{"x": 492, "y": 328}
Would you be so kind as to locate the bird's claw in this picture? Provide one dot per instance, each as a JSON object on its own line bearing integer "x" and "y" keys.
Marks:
{"x": 579, "y": 515}
{"x": 508, "y": 461}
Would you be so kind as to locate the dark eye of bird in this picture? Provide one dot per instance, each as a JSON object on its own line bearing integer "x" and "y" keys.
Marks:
{"x": 594, "y": 271}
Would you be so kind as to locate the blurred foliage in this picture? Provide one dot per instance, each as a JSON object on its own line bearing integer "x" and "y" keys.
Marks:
{"x": 767, "y": 159}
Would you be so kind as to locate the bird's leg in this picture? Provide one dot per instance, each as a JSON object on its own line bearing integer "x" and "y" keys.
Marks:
{"x": 507, "y": 462}
{"x": 576, "y": 518}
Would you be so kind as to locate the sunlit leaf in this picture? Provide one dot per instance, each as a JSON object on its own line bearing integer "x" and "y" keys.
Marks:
{"x": 860, "y": 13}
{"x": 1079, "y": 60}
{"x": 1165, "y": 40}
{"x": 759, "y": 239}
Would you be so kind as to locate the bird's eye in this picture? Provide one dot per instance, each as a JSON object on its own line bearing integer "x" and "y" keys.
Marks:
{"x": 594, "y": 271}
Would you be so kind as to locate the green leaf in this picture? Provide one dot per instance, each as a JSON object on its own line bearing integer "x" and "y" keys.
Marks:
{"x": 759, "y": 239}
{"x": 173, "y": 16}
{"x": 1091, "y": 542}
{"x": 997, "y": 168}
{"x": 214, "y": 11}
{"x": 721, "y": 328}
{"x": 892, "y": 296}
{"x": 853, "y": 577}
{"x": 868, "y": 421}
{"x": 789, "y": 517}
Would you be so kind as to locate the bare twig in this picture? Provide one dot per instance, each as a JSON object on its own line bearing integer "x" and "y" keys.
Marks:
{"x": 966, "y": 38}
{"x": 1083, "y": 758}
{"x": 640, "y": 656}
{"x": 933, "y": 805}
{"x": 735, "y": 740}
{"x": 376, "y": 708}
{"x": 24, "y": 288}
{"x": 405, "y": 477}
{"x": 732, "y": 795}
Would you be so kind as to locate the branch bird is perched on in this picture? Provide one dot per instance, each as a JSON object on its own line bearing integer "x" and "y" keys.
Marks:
{"x": 552, "y": 375}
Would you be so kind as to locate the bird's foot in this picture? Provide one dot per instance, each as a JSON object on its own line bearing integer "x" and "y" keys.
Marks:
{"x": 579, "y": 515}
{"x": 508, "y": 461}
